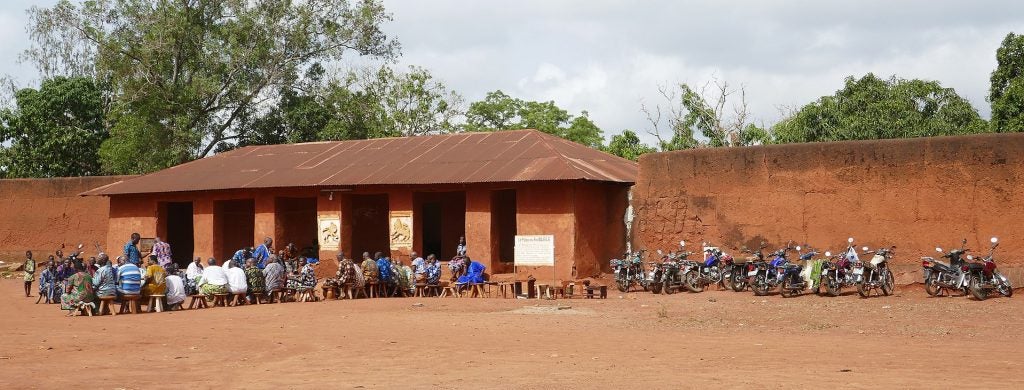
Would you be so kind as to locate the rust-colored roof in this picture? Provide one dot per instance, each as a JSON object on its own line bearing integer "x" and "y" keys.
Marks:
{"x": 487, "y": 157}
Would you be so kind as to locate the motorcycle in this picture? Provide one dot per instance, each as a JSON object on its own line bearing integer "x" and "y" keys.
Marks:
{"x": 666, "y": 276}
{"x": 697, "y": 276}
{"x": 792, "y": 283}
{"x": 940, "y": 277}
{"x": 630, "y": 270}
{"x": 739, "y": 274}
{"x": 837, "y": 272}
{"x": 875, "y": 274}
{"x": 766, "y": 276}
{"x": 984, "y": 278}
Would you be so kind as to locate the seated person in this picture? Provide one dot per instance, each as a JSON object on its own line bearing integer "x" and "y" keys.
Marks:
{"x": 105, "y": 280}
{"x": 384, "y": 276}
{"x": 236, "y": 278}
{"x": 419, "y": 268}
{"x": 214, "y": 280}
{"x": 306, "y": 279}
{"x": 370, "y": 272}
{"x": 346, "y": 276}
{"x": 79, "y": 291}
{"x": 458, "y": 266}
{"x": 274, "y": 274}
{"x": 129, "y": 279}
{"x": 398, "y": 278}
{"x": 255, "y": 282}
{"x": 433, "y": 271}
{"x": 474, "y": 273}
{"x": 175, "y": 287}
{"x": 155, "y": 278}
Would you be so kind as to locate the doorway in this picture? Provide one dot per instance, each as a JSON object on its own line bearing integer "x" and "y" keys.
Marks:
{"x": 234, "y": 224}
{"x": 370, "y": 224}
{"x": 503, "y": 227}
{"x": 296, "y": 223}
{"x": 442, "y": 220}
{"x": 179, "y": 231}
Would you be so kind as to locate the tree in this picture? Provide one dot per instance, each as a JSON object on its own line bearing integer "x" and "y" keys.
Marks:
{"x": 627, "y": 145}
{"x": 187, "y": 75}
{"x": 872, "y": 108}
{"x": 53, "y": 131}
{"x": 706, "y": 114}
{"x": 499, "y": 111}
{"x": 1006, "y": 93}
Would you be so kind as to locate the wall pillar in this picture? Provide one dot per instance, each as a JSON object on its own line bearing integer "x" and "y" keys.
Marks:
{"x": 401, "y": 202}
{"x": 266, "y": 221}
{"x": 341, "y": 207}
{"x": 205, "y": 237}
{"x": 479, "y": 235}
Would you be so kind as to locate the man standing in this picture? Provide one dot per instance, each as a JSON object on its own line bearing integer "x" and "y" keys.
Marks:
{"x": 30, "y": 272}
{"x": 162, "y": 250}
{"x": 262, "y": 252}
{"x": 131, "y": 250}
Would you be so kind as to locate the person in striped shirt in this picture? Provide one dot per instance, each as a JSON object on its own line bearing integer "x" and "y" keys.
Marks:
{"x": 129, "y": 279}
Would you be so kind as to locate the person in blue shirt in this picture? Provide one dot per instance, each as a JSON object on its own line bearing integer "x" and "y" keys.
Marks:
{"x": 383, "y": 272}
{"x": 262, "y": 252}
{"x": 131, "y": 250}
{"x": 129, "y": 279}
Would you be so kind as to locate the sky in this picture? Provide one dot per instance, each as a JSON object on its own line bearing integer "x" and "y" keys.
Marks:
{"x": 609, "y": 57}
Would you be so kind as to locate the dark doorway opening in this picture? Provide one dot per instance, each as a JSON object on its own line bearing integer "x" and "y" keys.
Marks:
{"x": 234, "y": 224}
{"x": 369, "y": 224}
{"x": 503, "y": 227}
{"x": 179, "y": 230}
{"x": 296, "y": 223}
{"x": 442, "y": 220}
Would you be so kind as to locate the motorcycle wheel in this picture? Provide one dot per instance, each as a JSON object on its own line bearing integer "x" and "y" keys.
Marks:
{"x": 931, "y": 287}
{"x": 888, "y": 283}
{"x": 739, "y": 285}
{"x": 785, "y": 291}
{"x": 976, "y": 290}
{"x": 666, "y": 288}
{"x": 690, "y": 281}
{"x": 833, "y": 287}
{"x": 759, "y": 287}
{"x": 726, "y": 281}
{"x": 863, "y": 289}
{"x": 622, "y": 284}
{"x": 656, "y": 288}
{"x": 1005, "y": 288}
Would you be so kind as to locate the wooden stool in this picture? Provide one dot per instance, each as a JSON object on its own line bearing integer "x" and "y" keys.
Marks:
{"x": 258, "y": 298}
{"x": 220, "y": 300}
{"x": 542, "y": 290}
{"x": 130, "y": 304}
{"x": 504, "y": 288}
{"x": 433, "y": 290}
{"x": 421, "y": 290}
{"x": 198, "y": 302}
{"x": 156, "y": 301}
{"x": 289, "y": 293}
{"x": 602, "y": 292}
{"x": 371, "y": 289}
{"x": 331, "y": 292}
{"x": 277, "y": 294}
{"x": 448, "y": 289}
{"x": 237, "y": 299}
{"x": 307, "y": 296}
{"x": 105, "y": 303}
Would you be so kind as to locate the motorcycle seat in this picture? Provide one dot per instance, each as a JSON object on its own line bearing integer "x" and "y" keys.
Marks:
{"x": 975, "y": 266}
{"x": 939, "y": 266}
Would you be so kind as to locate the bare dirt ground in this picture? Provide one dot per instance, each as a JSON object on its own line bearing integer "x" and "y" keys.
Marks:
{"x": 713, "y": 339}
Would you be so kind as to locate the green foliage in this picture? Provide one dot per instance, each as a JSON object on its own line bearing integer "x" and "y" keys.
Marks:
{"x": 187, "y": 76}
{"x": 1006, "y": 93}
{"x": 627, "y": 145}
{"x": 499, "y": 111}
{"x": 53, "y": 131}
{"x": 872, "y": 108}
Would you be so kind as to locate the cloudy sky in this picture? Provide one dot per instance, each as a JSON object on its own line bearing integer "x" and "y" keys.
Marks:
{"x": 608, "y": 57}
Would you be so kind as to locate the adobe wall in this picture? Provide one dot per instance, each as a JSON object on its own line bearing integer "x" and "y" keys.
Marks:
{"x": 914, "y": 193}
{"x": 41, "y": 214}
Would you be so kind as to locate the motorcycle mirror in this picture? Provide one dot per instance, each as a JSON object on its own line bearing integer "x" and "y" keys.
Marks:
{"x": 828, "y": 254}
{"x": 969, "y": 257}
{"x": 682, "y": 243}
{"x": 850, "y": 240}
{"x": 659, "y": 252}
{"x": 864, "y": 248}
{"x": 798, "y": 247}
{"x": 937, "y": 249}
{"x": 994, "y": 240}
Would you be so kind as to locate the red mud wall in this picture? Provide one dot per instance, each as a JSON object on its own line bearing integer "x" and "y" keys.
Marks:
{"x": 41, "y": 214}
{"x": 915, "y": 193}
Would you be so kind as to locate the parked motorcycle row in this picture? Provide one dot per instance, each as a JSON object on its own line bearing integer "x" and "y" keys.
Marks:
{"x": 823, "y": 273}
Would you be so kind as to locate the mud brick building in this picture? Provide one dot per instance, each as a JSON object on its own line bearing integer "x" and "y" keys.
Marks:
{"x": 397, "y": 194}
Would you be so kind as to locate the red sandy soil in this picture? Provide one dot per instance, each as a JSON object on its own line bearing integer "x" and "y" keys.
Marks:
{"x": 710, "y": 340}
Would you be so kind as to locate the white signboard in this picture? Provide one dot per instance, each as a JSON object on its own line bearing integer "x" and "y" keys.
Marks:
{"x": 535, "y": 250}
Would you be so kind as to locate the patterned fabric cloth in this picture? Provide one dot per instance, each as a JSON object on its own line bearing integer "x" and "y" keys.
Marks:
{"x": 458, "y": 266}
{"x": 210, "y": 289}
{"x": 129, "y": 279}
{"x": 399, "y": 277}
{"x": 419, "y": 265}
{"x": 274, "y": 276}
{"x": 434, "y": 273}
{"x": 305, "y": 281}
{"x": 384, "y": 270}
{"x": 79, "y": 292}
{"x": 48, "y": 286}
{"x": 105, "y": 281}
{"x": 191, "y": 285}
{"x": 255, "y": 281}
{"x": 156, "y": 281}
{"x": 131, "y": 253}
{"x": 360, "y": 280}
{"x": 346, "y": 272}
{"x": 162, "y": 250}
{"x": 261, "y": 254}
{"x": 370, "y": 271}
{"x": 64, "y": 271}
{"x": 410, "y": 279}
{"x": 30, "y": 270}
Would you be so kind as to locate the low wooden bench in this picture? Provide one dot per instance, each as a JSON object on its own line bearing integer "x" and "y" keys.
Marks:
{"x": 198, "y": 301}
{"x": 277, "y": 295}
{"x": 220, "y": 300}
{"x": 602, "y": 292}
{"x": 130, "y": 304}
{"x": 105, "y": 304}
{"x": 156, "y": 303}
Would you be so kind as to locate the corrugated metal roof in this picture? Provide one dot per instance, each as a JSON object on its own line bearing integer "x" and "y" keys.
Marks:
{"x": 487, "y": 157}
